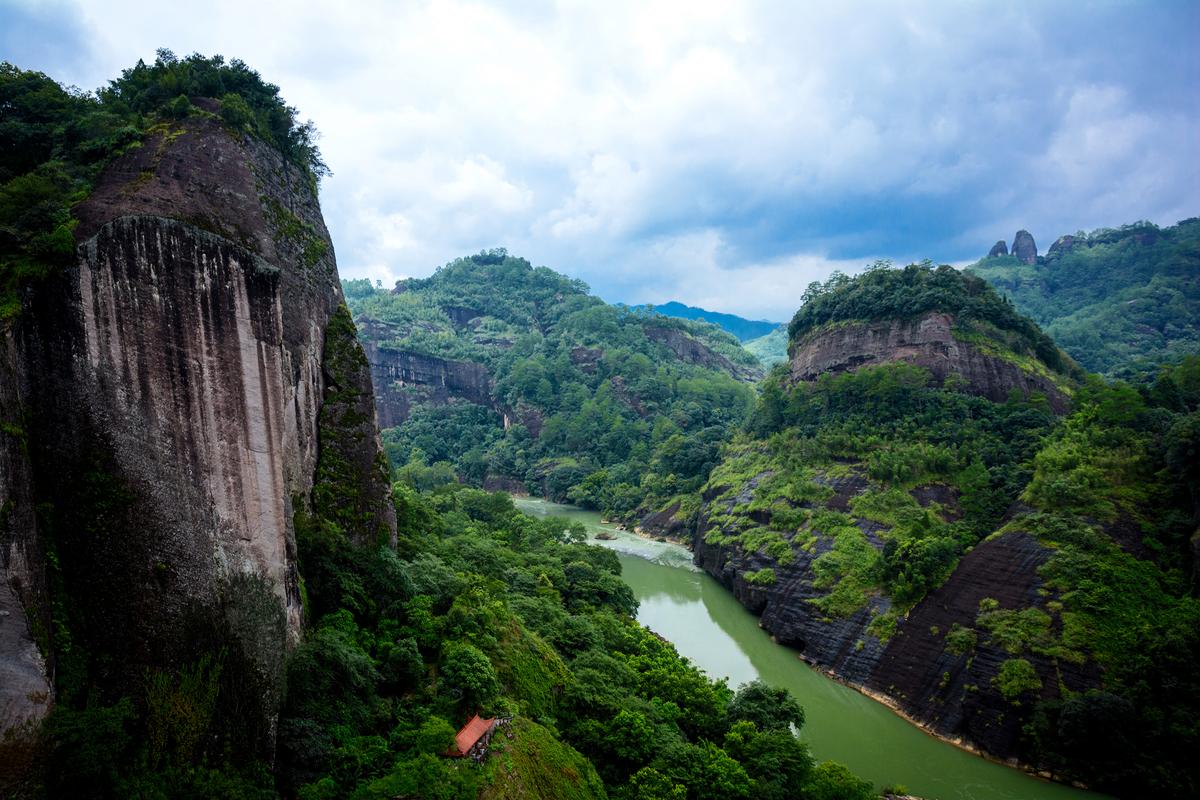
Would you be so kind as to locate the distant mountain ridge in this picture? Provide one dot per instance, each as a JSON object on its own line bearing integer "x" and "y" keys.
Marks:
{"x": 1119, "y": 300}
{"x": 744, "y": 329}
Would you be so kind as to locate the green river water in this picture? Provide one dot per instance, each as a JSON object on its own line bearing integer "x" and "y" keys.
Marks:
{"x": 708, "y": 626}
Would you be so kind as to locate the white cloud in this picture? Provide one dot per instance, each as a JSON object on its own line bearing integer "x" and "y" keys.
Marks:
{"x": 721, "y": 154}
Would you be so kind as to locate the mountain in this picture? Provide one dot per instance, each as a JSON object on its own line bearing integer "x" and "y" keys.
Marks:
{"x": 937, "y": 505}
{"x": 179, "y": 378}
{"x": 769, "y": 349}
{"x": 519, "y": 378}
{"x": 1119, "y": 300}
{"x": 209, "y": 587}
{"x": 742, "y": 328}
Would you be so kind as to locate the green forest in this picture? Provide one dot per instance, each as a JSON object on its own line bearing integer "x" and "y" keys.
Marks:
{"x": 620, "y": 422}
{"x": 1120, "y": 300}
{"x": 479, "y": 609}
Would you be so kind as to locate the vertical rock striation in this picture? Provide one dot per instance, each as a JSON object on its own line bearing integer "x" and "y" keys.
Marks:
{"x": 176, "y": 382}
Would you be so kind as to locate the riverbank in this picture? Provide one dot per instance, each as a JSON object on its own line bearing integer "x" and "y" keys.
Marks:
{"x": 706, "y": 624}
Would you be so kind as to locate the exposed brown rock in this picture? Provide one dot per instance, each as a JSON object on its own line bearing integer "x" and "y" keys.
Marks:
{"x": 927, "y": 342}
{"x": 694, "y": 351}
{"x": 1062, "y": 245}
{"x": 174, "y": 382}
{"x": 586, "y": 358}
{"x": 951, "y": 694}
{"x": 403, "y": 379}
{"x": 998, "y": 249}
{"x": 461, "y": 315}
{"x": 1024, "y": 248}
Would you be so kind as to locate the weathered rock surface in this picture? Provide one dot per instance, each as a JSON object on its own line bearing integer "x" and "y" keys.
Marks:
{"x": 1024, "y": 248}
{"x": 927, "y": 342}
{"x": 25, "y": 680}
{"x": 175, "y": 381}
{"x": 998, "y": 249}
{"x": 1062, "y": 245}
{"x": 404, "y": 379}
{"x": 952, "y": 694}
{"x": 696, "y": 352}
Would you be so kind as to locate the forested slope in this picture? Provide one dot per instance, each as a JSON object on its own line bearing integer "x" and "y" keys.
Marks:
{"x": 517, "y": 377}
{"x": 1119, "y": 300}
{"x": 1020, "y": 578}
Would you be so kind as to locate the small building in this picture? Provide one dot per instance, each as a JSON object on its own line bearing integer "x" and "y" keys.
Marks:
{"x": 472, "y": 741}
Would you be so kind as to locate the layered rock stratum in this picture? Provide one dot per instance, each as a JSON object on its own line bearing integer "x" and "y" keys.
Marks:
{"x": 928, "y": 341}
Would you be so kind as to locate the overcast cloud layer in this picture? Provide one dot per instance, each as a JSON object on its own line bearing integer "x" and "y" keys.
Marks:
{"x": 722, "y": 155}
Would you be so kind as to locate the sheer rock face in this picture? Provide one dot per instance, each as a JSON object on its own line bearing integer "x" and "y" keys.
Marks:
{"x": 952, "y": 694}
{"x": 25, "y": 681}
{"x": 695, "y": 352}
{"x": 998, "y": 249}
{"x": 1024, "y": 248}
{"x": 174, "y": 387}
{"x": 404, "y": 379}
{"x": 927, "y": 342}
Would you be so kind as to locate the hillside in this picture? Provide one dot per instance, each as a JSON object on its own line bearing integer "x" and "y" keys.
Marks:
{"x": 743, "y": 329}
{"x": 910, "y": 508}
{"x": 1119, "y": 300}
{"x": 517, "y": 377}
{"x": 769, "y": 349}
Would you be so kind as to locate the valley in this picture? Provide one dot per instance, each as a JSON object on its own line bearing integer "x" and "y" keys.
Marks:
{"x": 267, "y": 532}
{"x": 709, "y": 627}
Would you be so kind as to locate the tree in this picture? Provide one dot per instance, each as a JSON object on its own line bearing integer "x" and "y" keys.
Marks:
{"x": 469, "y": 676}
{"x": 770, "y": 709}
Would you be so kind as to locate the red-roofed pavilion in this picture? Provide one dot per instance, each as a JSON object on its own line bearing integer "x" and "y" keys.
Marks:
{"x": 473, "y": 739}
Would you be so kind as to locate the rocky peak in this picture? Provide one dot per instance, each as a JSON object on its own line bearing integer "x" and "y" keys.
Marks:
{"x": 1024, "y": 248}
{"x": 998, "y": 249}
{"x": 1062, "y": 245}
{"x": 173, "y": 380}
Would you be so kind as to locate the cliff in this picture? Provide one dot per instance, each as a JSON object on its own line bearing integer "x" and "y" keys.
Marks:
{"x": 918, "y": 668}
{"x": 405, "y": 379}
{"x": 176, "y": 376}
{"x": 931, "y": 342}
{"x": 692, "y": 351}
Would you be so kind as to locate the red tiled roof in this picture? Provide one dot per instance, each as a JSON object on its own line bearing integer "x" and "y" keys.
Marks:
{"x": 465, "y": 739}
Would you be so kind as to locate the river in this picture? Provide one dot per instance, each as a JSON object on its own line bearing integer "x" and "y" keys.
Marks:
{"x": 708, "y": 626}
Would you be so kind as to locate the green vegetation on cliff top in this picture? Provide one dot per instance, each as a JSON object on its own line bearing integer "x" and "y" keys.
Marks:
{"x": 54, "y": 142}
{"x": 882, "y": 293}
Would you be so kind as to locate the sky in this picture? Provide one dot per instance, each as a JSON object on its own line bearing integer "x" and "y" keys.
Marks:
{"x": 719, "y": 154}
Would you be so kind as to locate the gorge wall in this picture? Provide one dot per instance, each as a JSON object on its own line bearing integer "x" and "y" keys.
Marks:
{"x": 928, "y": 341}
{"x": 172, "y": 381}
{"x": 916, "y": 669}
{"x": 405, "y": 379}
{"x": 786, "y": 524}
